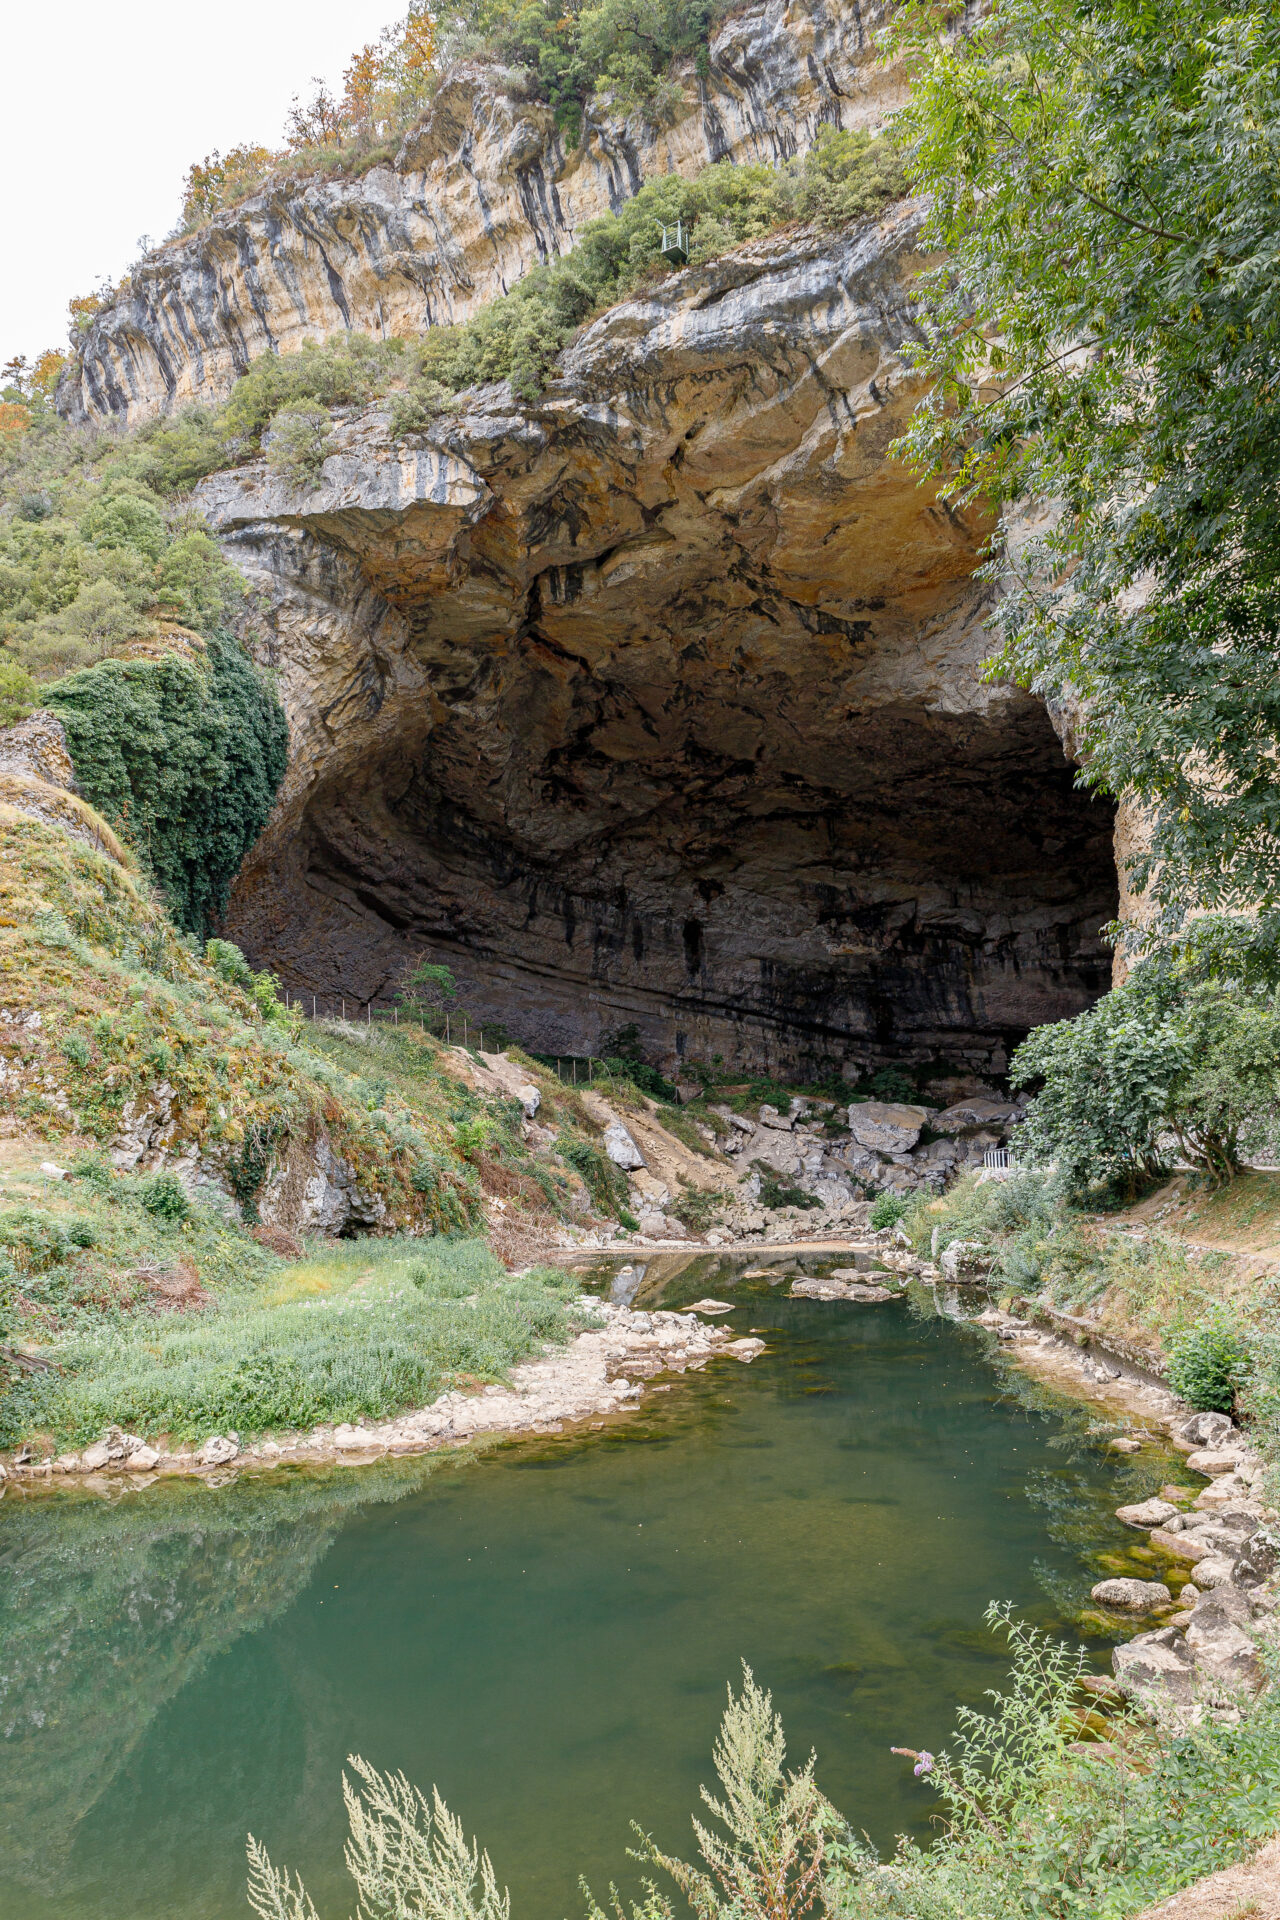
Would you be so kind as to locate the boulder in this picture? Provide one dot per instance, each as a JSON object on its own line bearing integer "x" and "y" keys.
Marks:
{"x": 965, "y": 1260}
{"x": 1133, "y": 1596}
{"x": 1182, "y": 1546}
{"x": 1256, "y": 1563}
{"x": 770, "y": 1117}
{"x": 1219, "y": 1642}
{"x": 1208, "y": 1430}
{"x": 1156, "y": 1662}
{"x": 885, "y": 1126}
{"x": 1213, "y": 1460}
{"x": 217, "y": 1451}
{"x": 781, "y": 1151}
{"x": 661, "y": 1226}
{"x": 1215, "y": 1570}
{"x": 1147, "y": 1513}
{"x": 970, "y": 1116}
{"x": 1228, "y": 1491}
{"x": 96, "y": 1456}
{"x": 143, "y": 1459}
{"x": 811, "y": 1287}
{"x": 832, "y": 1289}
{"x": 621, "y": 1148}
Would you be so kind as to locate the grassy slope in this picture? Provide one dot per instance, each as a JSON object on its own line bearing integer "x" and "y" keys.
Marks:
{"x": 131, "y": 1018}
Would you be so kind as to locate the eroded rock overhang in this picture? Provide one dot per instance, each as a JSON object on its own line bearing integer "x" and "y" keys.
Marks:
{"x": 660, "y": 700}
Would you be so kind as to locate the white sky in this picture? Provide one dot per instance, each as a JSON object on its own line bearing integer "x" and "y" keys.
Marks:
{"x": 107, "y": 107}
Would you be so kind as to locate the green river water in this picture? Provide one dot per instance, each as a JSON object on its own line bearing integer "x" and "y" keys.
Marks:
{"x": 545, "y": 1632}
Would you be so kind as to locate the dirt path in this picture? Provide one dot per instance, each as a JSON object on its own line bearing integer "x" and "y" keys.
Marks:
{"x": 1250, "y": 1891}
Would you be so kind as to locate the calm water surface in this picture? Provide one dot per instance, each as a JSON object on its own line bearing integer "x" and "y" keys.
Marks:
{"x": 545, "y": 1633}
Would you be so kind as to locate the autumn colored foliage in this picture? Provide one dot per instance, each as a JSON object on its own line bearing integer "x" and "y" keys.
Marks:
{"x": 14, "y": 421}
{"x": 386, "y": 84}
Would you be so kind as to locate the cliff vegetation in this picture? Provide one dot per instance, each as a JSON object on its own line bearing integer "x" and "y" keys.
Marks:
{"x": 617, "y": 55}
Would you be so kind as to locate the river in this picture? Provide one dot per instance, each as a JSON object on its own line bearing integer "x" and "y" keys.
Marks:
{"x": 545, "y": 1632}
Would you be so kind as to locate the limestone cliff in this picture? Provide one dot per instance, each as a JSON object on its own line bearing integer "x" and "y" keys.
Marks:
{"x": 480, "y": 190}
{"x": 660, "y": 699}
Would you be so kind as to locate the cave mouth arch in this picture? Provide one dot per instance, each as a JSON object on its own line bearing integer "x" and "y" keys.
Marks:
{"x": 904, "y": 885}
{"x": 665, "y": 699}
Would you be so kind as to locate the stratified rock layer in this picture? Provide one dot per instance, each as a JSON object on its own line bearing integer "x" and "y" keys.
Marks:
{"x": 481, "y": 189}
{"x": 661, "y": 699}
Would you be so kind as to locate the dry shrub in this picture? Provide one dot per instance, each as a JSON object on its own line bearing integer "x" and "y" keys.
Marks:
{"x": 174, "y": 1288}
{"x": 278, "y": 1240}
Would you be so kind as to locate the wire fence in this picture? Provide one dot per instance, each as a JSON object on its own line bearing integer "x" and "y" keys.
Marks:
{"x": 456, "y": 1029}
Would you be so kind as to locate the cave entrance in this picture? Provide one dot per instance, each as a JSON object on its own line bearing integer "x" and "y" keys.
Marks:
{"x": 910, "y": 885}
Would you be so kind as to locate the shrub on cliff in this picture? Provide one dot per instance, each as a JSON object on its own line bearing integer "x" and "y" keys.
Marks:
{"x": 620, "y": 51}
{"x": 184, "y": 759}
{"x": 846, "y": 176}
{"x": 105, "y": 560}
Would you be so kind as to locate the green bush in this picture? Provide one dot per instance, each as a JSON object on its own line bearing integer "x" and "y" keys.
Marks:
{"x": 106, "y": 563}
{"x": 618, "y": 49}
{"x": 299, "y": 440}
{"x": 886, "y": 1210}
{"x": 698, "y": 1207}
{"x": 17, "y": 692}
{"x": 1182, "y": 1049}
{"x": 184, "y": 760}
{"x": 164, "y": 1195}
{"x": 605, "y": 1182}
{"x": 1207, "y": 1365}
{"x": 774, "y": 1191}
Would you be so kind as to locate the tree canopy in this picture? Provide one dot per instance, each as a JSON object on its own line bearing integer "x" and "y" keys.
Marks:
{"x": 1104, "y": 344}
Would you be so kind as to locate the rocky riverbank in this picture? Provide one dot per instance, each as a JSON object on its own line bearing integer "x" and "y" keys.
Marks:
{"x": 1223, "y": 1589}
{"x": 603, "y": 1371}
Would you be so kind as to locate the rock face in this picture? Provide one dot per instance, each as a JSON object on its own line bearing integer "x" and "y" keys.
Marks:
{"x": 482, "y": 189}
{"x": 660, "y": 700}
